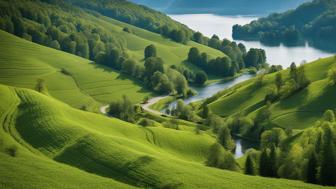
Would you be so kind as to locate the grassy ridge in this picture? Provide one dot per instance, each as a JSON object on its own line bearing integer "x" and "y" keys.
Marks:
{"x": 299, "y": 111}
{"x": 110, "y": 148}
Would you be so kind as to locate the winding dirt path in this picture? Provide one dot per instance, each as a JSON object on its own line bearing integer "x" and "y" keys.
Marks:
{"x": 146, "y": 106}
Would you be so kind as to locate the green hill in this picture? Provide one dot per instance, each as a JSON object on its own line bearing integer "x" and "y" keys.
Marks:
{"x": 51, "y": 138}
{"x": 298, "y": 111}
{"x": 22, "y": 63}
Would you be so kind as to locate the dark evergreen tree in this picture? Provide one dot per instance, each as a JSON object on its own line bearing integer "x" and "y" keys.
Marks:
{"x": 312, "y": 169}
{"x": 263, "y": 163}
{"x": 249, "y": 165}
{"x": 328, "y": 162}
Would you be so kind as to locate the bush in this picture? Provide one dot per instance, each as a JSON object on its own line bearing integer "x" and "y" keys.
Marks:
{"x": 12, "y": 151}
{"x": 146, "y": 122}
{"x": 200, "y": 78}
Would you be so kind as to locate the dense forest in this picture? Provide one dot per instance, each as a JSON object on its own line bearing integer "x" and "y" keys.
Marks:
{"x": 313, "y": 21}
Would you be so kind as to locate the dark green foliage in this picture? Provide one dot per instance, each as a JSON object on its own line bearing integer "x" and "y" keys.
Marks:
{"x": 122, "y": 109}
{"x": 205, "y": 111}
{"x": 12, "y": 151}
{"x": 150, "y": 51}
{"x": 328, "y": 161}
{"x": 278, "y": 81}
{"x": 249, "y": 166}
{"x": 201, "y": 77}
{"x": 264, "y": 163}
{"x": 146, "y": 122}
{"x": 314, "y": 21}
{"x": 268, "y": 162}
{"x": 312, "y": 169}
{"x": 65, "y": 72}
{"x": 128, "y": 67}
{"x": 255, "y": 57}
{"x": 161, "y": 83}
{"x": 139, "y": 16}
{"x": 220, "y": 158}
{"x": 152, "y": 65}
{"x": 224, "y": 138}
{"x": 183, "y": 111}
{"x": 40, "y": 85}
{"x": 236, "y": 60}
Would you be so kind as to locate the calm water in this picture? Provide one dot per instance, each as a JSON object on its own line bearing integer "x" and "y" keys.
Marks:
{"x": 210, "y": 24}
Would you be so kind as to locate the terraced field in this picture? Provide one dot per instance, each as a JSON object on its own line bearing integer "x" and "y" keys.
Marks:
{"x": 60, "y": 140}
{"x": 299, "y": 111}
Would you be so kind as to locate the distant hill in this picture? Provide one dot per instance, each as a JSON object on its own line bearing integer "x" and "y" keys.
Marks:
{"x": 313, "y": 21}
{"x": 222, "y": 6}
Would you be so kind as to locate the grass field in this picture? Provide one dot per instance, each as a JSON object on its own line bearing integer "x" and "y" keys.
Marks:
{"x": 299, "y": 111}
{"x": 56, "y": 140}
{"x": 22, "y": 63}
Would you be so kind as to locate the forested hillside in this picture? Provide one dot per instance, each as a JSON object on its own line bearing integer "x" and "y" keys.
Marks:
{"x": 312, "y": 21}
{"x": 242, "y": 7}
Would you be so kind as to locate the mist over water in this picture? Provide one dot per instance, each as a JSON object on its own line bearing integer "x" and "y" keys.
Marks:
{"x": 210, "y": 24}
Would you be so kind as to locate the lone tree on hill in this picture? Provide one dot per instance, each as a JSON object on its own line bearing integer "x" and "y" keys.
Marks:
{"x": 150, "y": 51}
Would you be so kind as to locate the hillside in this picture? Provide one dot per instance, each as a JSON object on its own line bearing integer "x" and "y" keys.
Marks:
{"x": 83, "y": 83}
{"x": 240, "y": 7}
{"x": 105, "y": 151}
{"x": 312, "y": 21}
{"x": 298, "y": 111}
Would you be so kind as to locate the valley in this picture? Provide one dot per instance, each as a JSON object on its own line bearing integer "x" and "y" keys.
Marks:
{"x": 112, "y": 94}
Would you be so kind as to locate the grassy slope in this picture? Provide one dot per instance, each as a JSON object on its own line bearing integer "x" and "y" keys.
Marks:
{"x": 23, "y": 62}
{"x": 171, "y": 52}
{"x": 298, "y": 111}
{"x": 45, "y": 129}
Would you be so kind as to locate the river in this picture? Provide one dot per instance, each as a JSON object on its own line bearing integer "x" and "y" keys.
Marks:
{"x": 210, "y": 24}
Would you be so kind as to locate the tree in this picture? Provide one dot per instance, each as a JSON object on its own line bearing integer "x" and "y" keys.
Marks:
{"x": 329, "y": 115}
{"x": 263, "y": 163}
{"x": 181, "y": 85}
{"x": 312, "y": 169}
{"x": 224, "y": 138}
{"x": 328, "y": 162}
{"x": 193, "y": 55}
{"x": 152, "y": 65}
{"x": 272, "y": 162}
{"x": 128, "y": 67}
{"x": 278, "y": 81}
{"x": 122, "y": 109}
{"x": 205, "y": 111}
{"x": 249, "y": 165}
{"x": 221, "y": 159}
{"x": 201, "y": 77}
{"x": 150, "y": 51}
{"x": 293, "y": 71}
{"x": 255, "y": 57}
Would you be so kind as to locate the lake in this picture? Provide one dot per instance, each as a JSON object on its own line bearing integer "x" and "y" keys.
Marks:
{"x": 210, "y": 24}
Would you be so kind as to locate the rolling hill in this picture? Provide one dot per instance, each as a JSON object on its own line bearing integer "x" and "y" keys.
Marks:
{"x": 298, "y": 111}
{"x": 22, "y": 63}
{"x": 53, "y": 139}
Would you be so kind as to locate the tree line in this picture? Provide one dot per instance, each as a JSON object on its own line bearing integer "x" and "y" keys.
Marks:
{"x": 313, "y": 21}
{"x": 226, "y": 66}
